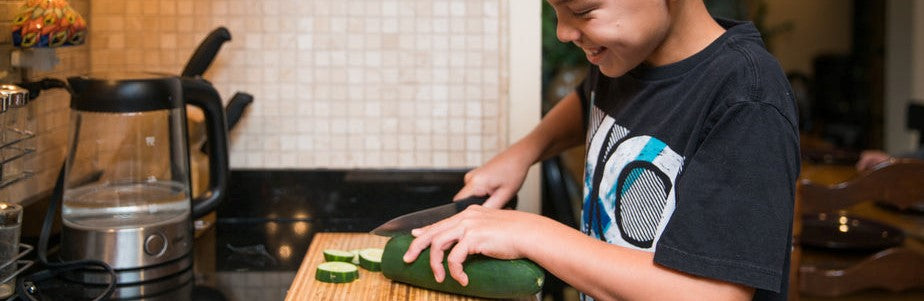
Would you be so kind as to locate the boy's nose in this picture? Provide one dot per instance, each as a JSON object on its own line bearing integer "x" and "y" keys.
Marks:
{"x": 566, "y": 33}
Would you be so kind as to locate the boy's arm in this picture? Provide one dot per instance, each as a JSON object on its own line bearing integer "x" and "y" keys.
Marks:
{"x": 599, "y": 269}
{"x": 502, "y": 176}
{"x": 609, "y": 272}
{"x": 562, "y": 126}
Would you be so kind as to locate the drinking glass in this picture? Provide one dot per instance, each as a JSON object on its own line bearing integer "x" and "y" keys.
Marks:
{"x": 10, "y": 224}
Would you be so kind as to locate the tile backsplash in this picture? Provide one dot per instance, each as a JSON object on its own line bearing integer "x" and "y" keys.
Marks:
{"x": 337, "y": 84}
{"x": 403, "y": 84}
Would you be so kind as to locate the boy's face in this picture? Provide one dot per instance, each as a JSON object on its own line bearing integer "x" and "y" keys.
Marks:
{"x": 616, "y": 35}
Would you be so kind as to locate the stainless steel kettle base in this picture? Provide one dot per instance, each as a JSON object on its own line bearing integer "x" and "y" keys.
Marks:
{"x": 132, "y": 276}
{"x": 129, "y": 248}
{"x": 176, "y": 287}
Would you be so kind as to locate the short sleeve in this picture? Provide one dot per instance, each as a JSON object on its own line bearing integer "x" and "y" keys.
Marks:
{"x": 735, "y": 197}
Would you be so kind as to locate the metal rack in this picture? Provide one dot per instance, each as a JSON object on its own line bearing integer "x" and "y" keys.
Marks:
{"x": 20, "y": 264}
{"x": 16, "y": 135}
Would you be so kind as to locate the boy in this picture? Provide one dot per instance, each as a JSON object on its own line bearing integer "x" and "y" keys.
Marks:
{"x": 692, "y": 159}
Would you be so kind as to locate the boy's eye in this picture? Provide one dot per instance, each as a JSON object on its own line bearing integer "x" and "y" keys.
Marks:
{"x": 582, "y": 12}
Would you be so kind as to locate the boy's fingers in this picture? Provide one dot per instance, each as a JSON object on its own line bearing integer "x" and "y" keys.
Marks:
{"x": 422, "y": 241}
{"x": 427, "y": 237}
{"x": 498, "y": 198}
{"x": 471, "y": 190}
{"x": 468, "y": 175}
{"x": 436, "y": 264}
{"x": 463, "y": 193}
{"x": 412, "y": 252}
{"x": 455, "y": 259}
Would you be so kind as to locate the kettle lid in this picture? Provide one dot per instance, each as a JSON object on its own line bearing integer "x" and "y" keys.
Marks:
{"x": 124, "y": 92}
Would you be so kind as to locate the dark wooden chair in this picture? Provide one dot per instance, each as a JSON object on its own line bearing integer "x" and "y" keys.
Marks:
{"x": 899, "y": 183}
{"x": 890, "y": 196}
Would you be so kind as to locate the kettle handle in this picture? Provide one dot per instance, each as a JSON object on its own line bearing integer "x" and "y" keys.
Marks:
{"x": 200, "y": 93}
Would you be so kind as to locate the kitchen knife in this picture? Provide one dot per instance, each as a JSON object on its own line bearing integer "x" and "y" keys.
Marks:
{"x": 417, "y": 219}
{"x": 205, "y": 53}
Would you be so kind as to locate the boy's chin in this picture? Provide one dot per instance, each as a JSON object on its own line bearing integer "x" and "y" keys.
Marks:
{"x": 612, "y": 71}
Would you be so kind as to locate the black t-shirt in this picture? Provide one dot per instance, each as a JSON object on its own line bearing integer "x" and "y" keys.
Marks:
{"x": 697, "y": 161}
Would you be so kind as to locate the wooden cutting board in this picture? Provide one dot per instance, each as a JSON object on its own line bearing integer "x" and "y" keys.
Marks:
{"x": 369, "y": 286}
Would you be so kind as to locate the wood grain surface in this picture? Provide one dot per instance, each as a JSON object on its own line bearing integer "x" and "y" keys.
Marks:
{"x": 369, "y": 286}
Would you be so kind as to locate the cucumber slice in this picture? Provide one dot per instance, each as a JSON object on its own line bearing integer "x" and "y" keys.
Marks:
{"x": 338, "y": 255}
{"x": 355, "y": 257}
{"x": 371, "y": 259}
{"x": 336, "y": 272}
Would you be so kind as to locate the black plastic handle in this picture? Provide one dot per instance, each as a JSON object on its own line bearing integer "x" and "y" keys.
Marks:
{"x": 205, "y": 53}
{"x": 198, "y": 92}
{"x": 479, "y": 200}
{"x": 235, "y": 109}
{"x": 472, "y": 200}
{"x": 233, "y": 112}
{"x": 37, "y": 87}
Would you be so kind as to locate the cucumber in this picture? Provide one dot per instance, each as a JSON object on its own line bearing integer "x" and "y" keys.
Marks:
{"x": 355, "y": 257}
{"x": 336, "y": 272}
{"x": 371, "y": 259}
{"x": 338, "y": 255}
{"x": 487, "y": 277}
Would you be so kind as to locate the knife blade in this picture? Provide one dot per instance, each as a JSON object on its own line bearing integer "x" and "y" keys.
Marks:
{"x": 420, "y": 218}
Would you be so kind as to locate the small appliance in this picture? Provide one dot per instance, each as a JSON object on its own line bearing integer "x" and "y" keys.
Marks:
{"x": 126, "y": 182}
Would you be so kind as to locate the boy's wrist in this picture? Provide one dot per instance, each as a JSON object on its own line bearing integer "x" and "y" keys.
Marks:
{"x": 525, "y": 152}
{"x": 530, "y": 244}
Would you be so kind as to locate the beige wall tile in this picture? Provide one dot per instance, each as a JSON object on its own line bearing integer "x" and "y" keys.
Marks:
{"x": 338, "y": 84}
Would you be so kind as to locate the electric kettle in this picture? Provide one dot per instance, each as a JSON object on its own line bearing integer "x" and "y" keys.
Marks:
{"x": 127, "y": 190}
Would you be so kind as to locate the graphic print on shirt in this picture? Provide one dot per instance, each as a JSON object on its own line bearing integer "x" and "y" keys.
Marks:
{"x": 628, "y": 186}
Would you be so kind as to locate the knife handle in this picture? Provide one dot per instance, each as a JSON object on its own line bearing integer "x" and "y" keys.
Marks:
{"x": 472, "y": 200}
{"x": 479, "y": 200}
{"x": 512, "y": 203}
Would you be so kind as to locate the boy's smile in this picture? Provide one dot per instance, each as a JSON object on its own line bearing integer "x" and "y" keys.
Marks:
{"x": 594, "y": 54}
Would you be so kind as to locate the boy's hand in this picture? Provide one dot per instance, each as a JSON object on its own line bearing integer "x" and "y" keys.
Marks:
{"x": 500, "y": 179}
{"x": 502, "y": 176}
{"x": 476, "y": 230}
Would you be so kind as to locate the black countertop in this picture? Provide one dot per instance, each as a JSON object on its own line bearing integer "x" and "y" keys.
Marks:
{"x": 283, "y": 209}
{"x": 265, "y": 225}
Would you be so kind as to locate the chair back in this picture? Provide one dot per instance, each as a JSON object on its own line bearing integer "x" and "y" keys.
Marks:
{"x": 898, "y": 183}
